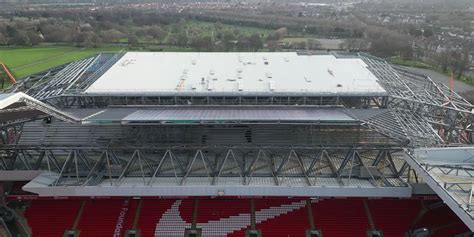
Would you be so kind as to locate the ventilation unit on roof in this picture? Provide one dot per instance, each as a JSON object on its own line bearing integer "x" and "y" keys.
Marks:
{"x": 271, "y": 84}
{"x": 240, "y": 86}
{"x": 307, "y": 79}
{"x": 210, "y": 86}
{"x": 194, "y": 62}
{"x": 231, "y": 79}
{"x": 268, "y": 75}
{"x": 211, "y": 72}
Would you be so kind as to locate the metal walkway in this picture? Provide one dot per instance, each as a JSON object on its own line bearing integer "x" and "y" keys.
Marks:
{"x": 450, "y": 173}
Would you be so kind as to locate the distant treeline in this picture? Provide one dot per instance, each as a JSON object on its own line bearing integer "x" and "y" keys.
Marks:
{"x": 203, "y": 30}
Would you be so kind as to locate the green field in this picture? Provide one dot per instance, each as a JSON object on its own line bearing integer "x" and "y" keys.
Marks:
{"x": 26, "y": 61}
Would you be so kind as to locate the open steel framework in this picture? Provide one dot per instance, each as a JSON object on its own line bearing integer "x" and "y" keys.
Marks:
{"x": 111, "y": 144}
{"x": 417, "y": 112}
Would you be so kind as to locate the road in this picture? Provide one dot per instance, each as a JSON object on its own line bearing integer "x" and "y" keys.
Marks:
{"x": 459, "y": 86}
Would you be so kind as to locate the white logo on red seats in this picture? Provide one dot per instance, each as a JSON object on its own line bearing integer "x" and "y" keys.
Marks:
{"x": 120, "y": 220}
{"x": 172, "y": 224}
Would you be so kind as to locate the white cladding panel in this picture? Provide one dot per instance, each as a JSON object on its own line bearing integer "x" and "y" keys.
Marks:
{"x": 239, "y": 73}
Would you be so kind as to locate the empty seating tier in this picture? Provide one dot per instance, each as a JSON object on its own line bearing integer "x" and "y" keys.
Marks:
{"x": 52, "y": 217}
{"x": 340, "y": 217}
{"x": 216, "y": 209}
{"x": 217, "y": 217}
{"x": 394, "y": 216}
{"x": 106, "y": 217}
{"x": 151, "y": 212}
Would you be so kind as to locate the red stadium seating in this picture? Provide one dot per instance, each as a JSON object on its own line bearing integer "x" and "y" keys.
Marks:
{"x": 293, "y": 224}
{"x": 129, "y": 216}
{"x": 331, "y": 214}
{"x": 293, "y": 220}
{"x": 216, "y": 209}
{"x": 52, "y": 218}
{"x": 452, "y": 230}
{"x": 285, "y": 217}
{"x": 272, "y": 202}
{"x": 186, "y": 210}
{"x": 448, "y": 225}
{"x": 104, "y": 217}
{"x": 150, "y": 214}
{"x": 431, "y": 217}
{"x": 394, "y": 217}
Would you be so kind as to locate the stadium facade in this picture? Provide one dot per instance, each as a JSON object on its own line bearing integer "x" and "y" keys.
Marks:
{"x": 241, "y": 125}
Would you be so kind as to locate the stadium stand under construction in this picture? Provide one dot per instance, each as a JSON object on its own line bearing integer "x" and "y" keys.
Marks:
{"x": 235, "y": 144}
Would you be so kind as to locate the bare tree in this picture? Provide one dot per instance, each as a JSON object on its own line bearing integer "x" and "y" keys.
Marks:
{"x": 3, "y": 39}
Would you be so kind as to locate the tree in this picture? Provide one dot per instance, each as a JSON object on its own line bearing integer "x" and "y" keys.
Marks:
{"x": 255, "y": 42}
{"x": 155, "y": 31}
{"x": 58, "y": 33}
{"x": 387, "y": 43}
{"x": 460, "y": 61}
{"x": 34, "y": 37}
{"x": 11, "y": 31}
{"x": 96, "y": 40}
{"x": 3, "y": 39}
{"x": 242, "y": 42}
{"x": 218, "y": 26}
{"x": 443, "y": 60}
{"x": 182, "y": 39}
{"x": 203, "y": 42}
{"x": 228, "y": 39}
{"x": 428, "y": 33}
{"x": 172, "y": 39}
{"x": 281, "y": 33}
{"x": 111, "y": 36}
{"x": 87, "y": 39}
{"x": 20, "y": 39}
{"x": 415, "y": 32}
{"x": 132, "y": 41}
